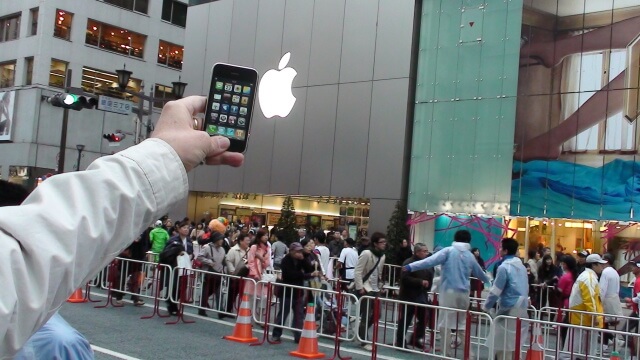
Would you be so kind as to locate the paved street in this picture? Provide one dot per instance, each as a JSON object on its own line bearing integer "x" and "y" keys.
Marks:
{"x": 121, "y": 330}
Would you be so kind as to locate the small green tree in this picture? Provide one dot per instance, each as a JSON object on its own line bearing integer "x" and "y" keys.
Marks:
{"x": 287, "y": 221}
{"x": 397, "y": 230}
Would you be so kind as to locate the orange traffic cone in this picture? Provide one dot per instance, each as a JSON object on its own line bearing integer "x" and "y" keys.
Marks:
{"x": 308, "y": 348}
{"x": 243, "y": 332}
{"x": 536, "y": 352}
{"x": 77, "y": 297}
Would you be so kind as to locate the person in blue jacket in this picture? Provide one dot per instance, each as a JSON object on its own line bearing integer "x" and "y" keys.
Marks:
{"x": 458, "y": 264}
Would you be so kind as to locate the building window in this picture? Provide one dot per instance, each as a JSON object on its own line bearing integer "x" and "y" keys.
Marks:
{"x": 28, "y": 65}
{"x": 58, "y": 73}
{"x": 33, "y": 20}
{"x": 62, "y": 28}
{"x": 116, "y": 39}
{"x": 170, "y": 54}
{"x": 101, "y": 82}
{"x": 7, "y": 74}
{"x": 174, "y": 12}
{"x": 9, "y": 27}
{"x": 583, "y": 75}
{"x": 141, "y": 6}
{"x": 164, "y": 93}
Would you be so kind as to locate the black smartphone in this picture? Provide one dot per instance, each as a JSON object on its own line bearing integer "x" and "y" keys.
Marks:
{"x": 230, "y": 104}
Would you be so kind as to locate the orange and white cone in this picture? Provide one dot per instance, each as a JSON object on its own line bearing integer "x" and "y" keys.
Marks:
{"x": 536, "y": 352}
{"x": 243, "y": 331}
{"x": 308, "y": 347}
{"x": 77, "y": 297}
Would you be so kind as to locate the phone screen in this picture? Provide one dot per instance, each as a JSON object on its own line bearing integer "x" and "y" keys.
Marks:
{"x": 230, "y": 104}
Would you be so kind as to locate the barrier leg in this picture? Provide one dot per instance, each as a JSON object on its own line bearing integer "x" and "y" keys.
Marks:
{"x": 376, "y": 326}
{"x": 110, "y": 280}
{"x": 87, "y": 294}
{"x": 336, "y": 338}
{"x": 156, "y": 297}
{"x": 265, "y": 334}
{"x": 182, "y": 292}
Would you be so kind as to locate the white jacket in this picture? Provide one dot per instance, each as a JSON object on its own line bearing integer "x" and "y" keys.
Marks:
{"x": 73, "y": 225}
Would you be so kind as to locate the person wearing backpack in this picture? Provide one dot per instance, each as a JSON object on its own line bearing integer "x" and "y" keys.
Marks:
{"x": 368, "y": 281}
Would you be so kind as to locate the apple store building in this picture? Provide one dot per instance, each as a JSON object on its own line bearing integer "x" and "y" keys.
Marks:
{"x": 331, "y": 128}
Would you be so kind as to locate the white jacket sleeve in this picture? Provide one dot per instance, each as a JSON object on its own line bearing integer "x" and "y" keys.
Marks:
{"x": 73, "y": 225}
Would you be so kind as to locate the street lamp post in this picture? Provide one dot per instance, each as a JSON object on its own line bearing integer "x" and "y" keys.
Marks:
{"x": 123, "y": 80}
{"x": 80, "y": 148}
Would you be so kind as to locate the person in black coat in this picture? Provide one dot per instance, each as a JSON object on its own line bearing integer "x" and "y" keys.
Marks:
{"x": 404, "y": 252}
{"x": 169, "y": 256}
{"x": 295, "y": 270}
{"x": 414, "y": 287}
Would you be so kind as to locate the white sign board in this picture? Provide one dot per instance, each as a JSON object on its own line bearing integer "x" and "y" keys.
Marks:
{"x": 107, "y": 103}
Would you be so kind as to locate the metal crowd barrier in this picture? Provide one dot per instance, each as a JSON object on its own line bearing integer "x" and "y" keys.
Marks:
{"x": 543, "y": 339}
{"x": 210, "y": 291}
{"x": 374, "y": 312}
{"x": 334, "y": 309}
{"x": 625, "y": 328}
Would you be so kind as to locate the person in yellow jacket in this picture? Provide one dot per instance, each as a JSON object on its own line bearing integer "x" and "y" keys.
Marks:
{"x": 585, "y": 298}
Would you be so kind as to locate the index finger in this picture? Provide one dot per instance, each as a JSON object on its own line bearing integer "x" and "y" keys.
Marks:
{"x": 195, "y": 104}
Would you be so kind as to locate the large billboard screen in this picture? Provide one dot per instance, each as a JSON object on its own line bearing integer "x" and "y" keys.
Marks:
{"x": 7, "y": 118}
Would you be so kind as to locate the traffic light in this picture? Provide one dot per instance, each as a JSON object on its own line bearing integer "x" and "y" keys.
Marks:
{"x": 114, "y": 137}
{"x": 72, "y": 101}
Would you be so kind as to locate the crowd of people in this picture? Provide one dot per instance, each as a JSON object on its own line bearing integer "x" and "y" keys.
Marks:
{"x": 586, "y": 282}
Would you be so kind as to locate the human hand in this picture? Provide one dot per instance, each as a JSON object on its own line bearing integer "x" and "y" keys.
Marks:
{"x": 425, "y": 283}
{"x": 176, "y": 128}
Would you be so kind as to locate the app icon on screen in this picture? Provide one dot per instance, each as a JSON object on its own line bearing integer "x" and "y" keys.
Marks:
{"x": 237, "y": 88}
{"x": 222, "y": 130}
{"x": 231, "y": 132}
{"x": 217, "y": 96}
{"x": 232, "y": 120}
{"x": 243, "y": 111}
{"x": 244, "y": 101}
{"x": 215, "y": 106}
{"x": 223, "y": 118}
{"x": 241, "y": 121}
{"x": 234, "y": 109}
{"x": 226, "y": 98}
{"x": 212, "y": 129}
{"x": 225, "y": 107}
{"x": 235, "y": 99}
{"x": 240, "y": 134}
{"x": 219, "y": 85}
{"x": 214, "y": 116}
{"x": 228, "y": 87}
{"x": 246, "y": 90}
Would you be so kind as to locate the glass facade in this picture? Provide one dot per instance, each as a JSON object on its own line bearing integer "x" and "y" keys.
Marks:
{"x": 465, "y": 107}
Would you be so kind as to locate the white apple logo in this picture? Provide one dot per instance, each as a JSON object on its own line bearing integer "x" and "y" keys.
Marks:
{"x": 274, "y": 91}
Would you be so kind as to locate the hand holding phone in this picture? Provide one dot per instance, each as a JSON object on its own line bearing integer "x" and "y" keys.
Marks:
{"x": 230, "y": 104}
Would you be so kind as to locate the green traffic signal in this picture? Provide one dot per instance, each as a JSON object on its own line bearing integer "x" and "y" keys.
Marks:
{"x": 73, "y": 101}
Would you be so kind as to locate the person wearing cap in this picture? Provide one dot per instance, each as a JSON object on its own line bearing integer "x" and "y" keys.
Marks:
{"x": 581, "y": 260}
{"x": 158, "y": 238}
{"x": 585, "y": 297}
{"x": 294, "y": 272}
{"x": 609, "y": 295}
